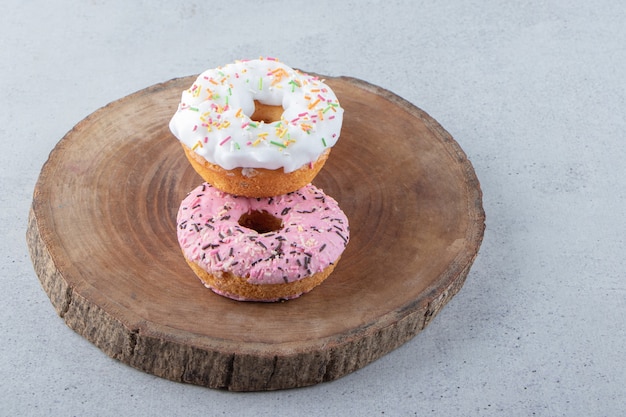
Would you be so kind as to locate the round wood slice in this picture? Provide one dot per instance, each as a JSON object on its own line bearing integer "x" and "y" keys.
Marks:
{"x": 102, "y": 237}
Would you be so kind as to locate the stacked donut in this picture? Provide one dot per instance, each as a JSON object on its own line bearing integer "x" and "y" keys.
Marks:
{"x": 258, "y": 132}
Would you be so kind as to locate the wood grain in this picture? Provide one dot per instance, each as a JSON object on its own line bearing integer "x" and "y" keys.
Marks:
{"x": 102, "y": 239}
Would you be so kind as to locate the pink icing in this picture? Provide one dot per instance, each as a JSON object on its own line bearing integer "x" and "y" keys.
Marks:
{"x": 314, "y": 233}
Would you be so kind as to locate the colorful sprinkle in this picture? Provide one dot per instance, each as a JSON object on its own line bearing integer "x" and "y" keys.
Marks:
{"x": 294, "y": 84}
{"x": 281, "y": 132}
{"x": 312, "y": 105}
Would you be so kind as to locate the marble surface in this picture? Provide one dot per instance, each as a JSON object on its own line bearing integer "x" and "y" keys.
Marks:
{"x": 533, "y": 91}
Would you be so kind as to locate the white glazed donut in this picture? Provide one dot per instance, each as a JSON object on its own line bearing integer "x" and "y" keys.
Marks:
{"x": 214, "y": 116}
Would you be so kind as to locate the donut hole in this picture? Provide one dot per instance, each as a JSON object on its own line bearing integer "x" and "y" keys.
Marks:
{"x": 260, "y": 221}
{"x": 266, "y": 112}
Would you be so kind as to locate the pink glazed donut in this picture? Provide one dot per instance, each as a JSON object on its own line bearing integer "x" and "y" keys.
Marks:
{"x": 261, "y": 249}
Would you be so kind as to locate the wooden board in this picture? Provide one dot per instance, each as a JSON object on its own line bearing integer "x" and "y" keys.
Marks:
{"x": 103, "y": 242}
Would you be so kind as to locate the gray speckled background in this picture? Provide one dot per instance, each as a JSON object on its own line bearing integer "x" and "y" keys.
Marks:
{"x": 534, "y": 93}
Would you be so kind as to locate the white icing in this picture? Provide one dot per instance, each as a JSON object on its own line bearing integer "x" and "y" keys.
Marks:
{"x": 213, "y": 117}
{"x": 249, "y": 172}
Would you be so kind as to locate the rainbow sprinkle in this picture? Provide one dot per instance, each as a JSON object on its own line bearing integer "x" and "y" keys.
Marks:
{"x": 294, "y": 84}
{"x": 312, "y": 105}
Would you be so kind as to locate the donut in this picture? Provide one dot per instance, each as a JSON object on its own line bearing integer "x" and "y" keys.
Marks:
{"x": 261, "y": 249}
{"x": 257, "y": 128}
